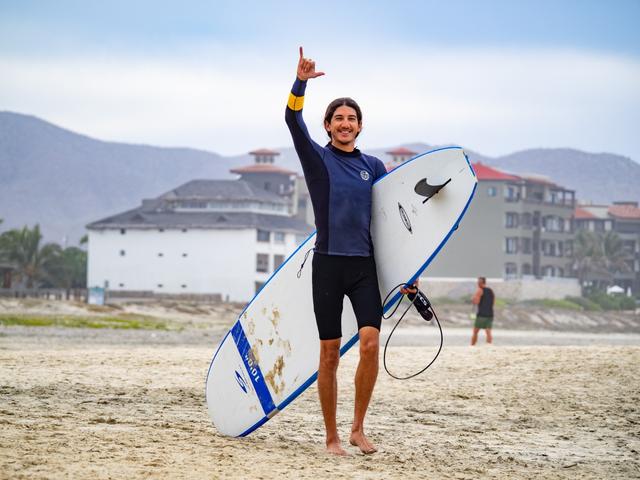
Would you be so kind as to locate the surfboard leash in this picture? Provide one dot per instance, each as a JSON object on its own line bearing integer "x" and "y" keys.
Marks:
{"x": 303, "y": 262}
{"x": 424, "y": 307}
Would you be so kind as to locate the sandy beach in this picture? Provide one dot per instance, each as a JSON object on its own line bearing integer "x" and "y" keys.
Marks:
{"x": 124, "y": 404}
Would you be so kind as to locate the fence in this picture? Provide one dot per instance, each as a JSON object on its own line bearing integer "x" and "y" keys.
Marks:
{"x": 80, "y": 295}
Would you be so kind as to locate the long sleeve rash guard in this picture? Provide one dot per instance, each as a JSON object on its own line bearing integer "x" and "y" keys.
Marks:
{"x": 339, "y": 185}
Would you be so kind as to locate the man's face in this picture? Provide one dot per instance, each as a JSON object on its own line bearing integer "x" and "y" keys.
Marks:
{"x": 344, "y": 126}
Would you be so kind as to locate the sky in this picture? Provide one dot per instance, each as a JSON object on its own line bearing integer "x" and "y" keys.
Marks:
{"x": 493, "y": 76}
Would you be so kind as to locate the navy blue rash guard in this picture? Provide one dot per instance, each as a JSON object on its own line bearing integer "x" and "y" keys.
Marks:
{"x": 339, "y": 185}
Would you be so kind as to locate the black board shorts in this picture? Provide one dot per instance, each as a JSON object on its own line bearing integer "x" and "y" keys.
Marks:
{"x": 335, "y": 276}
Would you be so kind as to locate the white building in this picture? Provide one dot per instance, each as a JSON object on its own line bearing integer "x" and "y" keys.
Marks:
{"x": 210, "y": 237}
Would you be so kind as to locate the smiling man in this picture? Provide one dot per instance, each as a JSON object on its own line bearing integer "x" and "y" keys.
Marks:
{"x": 340, "y": 179}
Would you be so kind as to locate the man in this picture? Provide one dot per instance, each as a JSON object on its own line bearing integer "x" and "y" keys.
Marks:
{"x": 484, "y": 299}
{"x": 340, "y": 178}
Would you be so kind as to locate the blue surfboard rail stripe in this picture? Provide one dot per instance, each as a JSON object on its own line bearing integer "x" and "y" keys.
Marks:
{"x": 253, "y": 369}
{"x": 386, "y": 307}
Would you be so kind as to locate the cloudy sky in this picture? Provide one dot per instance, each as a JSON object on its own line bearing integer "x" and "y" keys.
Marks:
{"x": 494, "y": 76}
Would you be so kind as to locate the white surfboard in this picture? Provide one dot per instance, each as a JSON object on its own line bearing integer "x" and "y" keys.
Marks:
{"x": 270, "y": 355}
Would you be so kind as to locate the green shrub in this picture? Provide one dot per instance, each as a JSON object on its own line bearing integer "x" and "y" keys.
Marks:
{"x": 585, "y": 303}
{"x": 612, "y": 302}
{"x": 566, "y": 304}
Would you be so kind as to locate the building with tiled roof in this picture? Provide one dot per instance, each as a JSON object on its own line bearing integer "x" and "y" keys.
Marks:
{"x": 516, "y": 227}
{"x": 210, "y": 237}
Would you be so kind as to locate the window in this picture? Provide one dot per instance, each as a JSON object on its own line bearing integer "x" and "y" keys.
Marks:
{"x": 511, "y": 220}
{"x": 184, "y": 254}
{"x": 510, "y": 270}
{"x": 121, "y": 285}
{"x": 122, "y": 253}
{"x": 568, "y": 248}
{"x": 277, "y": 261}
{"x": 526, "y": 245}
{"x": 511, "y": 193}
{"x": 262, "y": 262}
{"x": 183, "y": 286}
{"x": 159, "y": 285}
{"x": 526, "y": 269}
{"x": 553, "y": 224}
{"x": 161, "y": 254}
{"x": 278, "y": 237}
{"x": 492, "y": 191}
{"x": 526, "y": 220}
{"x": 264, "y": 236}
{"x": 259, "y": 286}
{"x": 511, "y": 245}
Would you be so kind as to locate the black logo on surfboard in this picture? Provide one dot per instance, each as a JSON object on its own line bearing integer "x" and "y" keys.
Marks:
{"x": 424, "y": 189}
{"x": 405, "y": 218}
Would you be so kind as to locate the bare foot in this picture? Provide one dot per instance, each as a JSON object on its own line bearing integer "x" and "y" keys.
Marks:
{"x": 335, "y": 448}
{"x": 359, "y": 440}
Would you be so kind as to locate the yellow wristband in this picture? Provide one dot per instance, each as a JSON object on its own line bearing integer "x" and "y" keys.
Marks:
{"x": 295, "y": 103}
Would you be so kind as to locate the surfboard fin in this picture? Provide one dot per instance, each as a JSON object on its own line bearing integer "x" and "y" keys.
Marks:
{"x": 424, "y": 189}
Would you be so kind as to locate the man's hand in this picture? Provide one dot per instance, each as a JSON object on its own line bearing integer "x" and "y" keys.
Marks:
{"x": 413, "y": 289}
{"x": 307, "y": 68}
{"x": 476, "y": 297}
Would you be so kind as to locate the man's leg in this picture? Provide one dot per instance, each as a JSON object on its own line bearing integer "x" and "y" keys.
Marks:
{"x": 474, "y": 336}
{"x": 328, "y": 392}
{"x": 489, "y": 336}
{"x": 366, "y": 375}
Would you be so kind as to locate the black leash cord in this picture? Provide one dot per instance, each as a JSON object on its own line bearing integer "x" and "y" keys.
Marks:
{"x": 303, "y": 262}
{"x": 384, "y": 354}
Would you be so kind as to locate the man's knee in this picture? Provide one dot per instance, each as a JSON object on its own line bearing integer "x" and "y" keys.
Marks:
{"x": 329, "y": 354}
{"x": 369, "y": 342}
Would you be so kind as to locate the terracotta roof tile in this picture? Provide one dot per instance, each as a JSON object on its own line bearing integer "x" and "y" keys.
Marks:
{"x": 582, "y": 214}
{"x": 485, "y": 172}
{"x": 625, "y": 211}
{"x": 401, "y": 151}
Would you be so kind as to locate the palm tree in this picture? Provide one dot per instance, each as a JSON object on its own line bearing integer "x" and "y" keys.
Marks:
{"x": 614, "y": 258}
{"x": 69, "y": 269}
{"x": 600, "y": 257}
{"x": 31, "y": 261}
{"x": 586, "y": 255}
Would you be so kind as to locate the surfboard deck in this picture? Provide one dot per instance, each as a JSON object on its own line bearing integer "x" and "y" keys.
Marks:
{"x": 270, "y": 355}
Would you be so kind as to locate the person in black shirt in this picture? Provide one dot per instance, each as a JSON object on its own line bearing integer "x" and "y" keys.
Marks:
{"x": 484, "y": 299}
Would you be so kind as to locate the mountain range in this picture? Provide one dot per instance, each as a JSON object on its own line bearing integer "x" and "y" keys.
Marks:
{"x": 64, "y": 180}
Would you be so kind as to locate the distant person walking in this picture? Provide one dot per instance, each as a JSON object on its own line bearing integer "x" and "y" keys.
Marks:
{"x": 484, "y": 299}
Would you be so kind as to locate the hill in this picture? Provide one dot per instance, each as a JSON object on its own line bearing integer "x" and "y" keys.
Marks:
{"x": 64, "y": 180}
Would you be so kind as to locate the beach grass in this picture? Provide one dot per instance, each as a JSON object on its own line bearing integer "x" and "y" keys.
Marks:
{"x": 564, "y": 304}
{"x": 125, "y": 322}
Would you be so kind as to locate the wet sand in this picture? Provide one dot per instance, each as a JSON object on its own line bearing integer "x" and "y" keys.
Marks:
{"x": 92, "y": 409}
